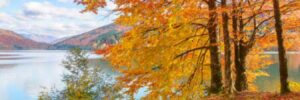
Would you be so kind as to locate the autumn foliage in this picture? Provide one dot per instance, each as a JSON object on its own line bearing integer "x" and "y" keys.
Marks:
{"x": 176, "y": 48}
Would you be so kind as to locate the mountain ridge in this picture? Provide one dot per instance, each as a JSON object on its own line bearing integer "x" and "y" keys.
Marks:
{"x": 91, "y": 39}
{"x": 108, "y": 34}
{"x": 40, "y": 38}
{"x": 10, "y": 40}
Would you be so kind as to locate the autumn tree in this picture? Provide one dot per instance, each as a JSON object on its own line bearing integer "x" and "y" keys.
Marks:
{"x": 215, "y": 66}
{"x": 281, "y": 49}
{"x": 250, "y": 23}
{"x": 253, "y": 22}
{"x": 166, "y": 49}
{"x": 227, "y": 49}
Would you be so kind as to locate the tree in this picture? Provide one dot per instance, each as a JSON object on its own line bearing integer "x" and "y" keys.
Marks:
{"x": 82, "y": 81}
{"x": 281, "y": 49}
{"x": 216, "y": 75}
{"x": 225, "y": 26}
{"x": 169, "y": 42}
{"x": 250, "y": 23}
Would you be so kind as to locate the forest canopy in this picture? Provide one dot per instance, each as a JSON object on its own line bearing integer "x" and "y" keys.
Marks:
{"x": 189, "y": 49}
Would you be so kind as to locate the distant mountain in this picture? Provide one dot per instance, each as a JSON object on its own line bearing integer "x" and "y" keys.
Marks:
{"x": 59, "y": 40}
{"x": 106, "y": 34}
{"x": 40, "y": 38}
{"x": 10, "y": 40}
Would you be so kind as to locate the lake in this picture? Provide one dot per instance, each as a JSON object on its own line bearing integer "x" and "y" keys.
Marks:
{"x": 271, "y": 83}
{"x": 24, "y": 73}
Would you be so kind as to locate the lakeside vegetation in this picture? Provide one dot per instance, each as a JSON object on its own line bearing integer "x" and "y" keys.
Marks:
{"x": 83, "y": 82}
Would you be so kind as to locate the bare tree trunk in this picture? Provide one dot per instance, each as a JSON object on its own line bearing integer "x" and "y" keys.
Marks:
{"x": 216, "y": 75}
{"x": 228, "y": 80}
{"x": 281, "y": 50}
{"x": 236, "y": 41}
{"x": 241, "y": 79}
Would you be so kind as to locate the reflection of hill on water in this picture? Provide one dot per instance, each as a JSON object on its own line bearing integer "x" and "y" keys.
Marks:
{"x": 7, "y": 66}
{"x": 294, "y": 61}
{"x": 9, "y": 55}
{"x": 15, "y": 58}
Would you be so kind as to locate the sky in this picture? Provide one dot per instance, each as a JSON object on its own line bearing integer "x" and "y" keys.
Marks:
{"x": 59, "y": 18}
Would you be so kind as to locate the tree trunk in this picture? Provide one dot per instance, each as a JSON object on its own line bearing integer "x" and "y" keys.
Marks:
{"x": 241, "y": 79}
{"x": 240, "y": 66}
{"x": 281, "y": 50}
{"x": 227, "y": 50}
{"x": 216, "y": 75}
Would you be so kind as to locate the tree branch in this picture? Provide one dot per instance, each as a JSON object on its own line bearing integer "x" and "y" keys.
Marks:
{"x": 192, "y": 50}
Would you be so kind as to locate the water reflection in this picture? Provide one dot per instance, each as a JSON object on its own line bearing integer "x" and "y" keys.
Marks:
{"x": 23, "y": 73}
{"x": 22, "y": 78}
{"x": 271, "y": 83}
{"x": 294, "y": 63}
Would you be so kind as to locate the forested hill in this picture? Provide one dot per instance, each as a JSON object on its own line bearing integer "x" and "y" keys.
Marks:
{"x": 106, "y": 34}
{"x": 10, "y": 40}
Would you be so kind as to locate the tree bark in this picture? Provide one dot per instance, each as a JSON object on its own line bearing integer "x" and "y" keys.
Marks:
{"x": 240, "y": 49}
{"x": 228, "y": 80}
{"x": 216, "y": 75}
{"x": 281, "y": 50}
{"x": 241, "y": 79}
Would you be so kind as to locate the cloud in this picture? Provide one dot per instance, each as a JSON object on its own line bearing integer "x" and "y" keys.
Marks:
{"x": 4, "y": 3}
{"x": 65, "y": 1}
{"x": 47, "y": 10}
{"x": 49, "y": 19}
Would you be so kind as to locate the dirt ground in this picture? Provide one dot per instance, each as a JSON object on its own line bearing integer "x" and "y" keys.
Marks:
{"x": 256, "y": 96}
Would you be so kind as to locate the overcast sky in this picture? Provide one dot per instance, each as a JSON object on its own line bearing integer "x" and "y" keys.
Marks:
{"x": 50, "y": 17}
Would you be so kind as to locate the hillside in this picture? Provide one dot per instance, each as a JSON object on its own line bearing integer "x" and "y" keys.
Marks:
{"x": 106, "y": 34}
{"x": 40, "y": 38}
{"x": 10, "y": 40}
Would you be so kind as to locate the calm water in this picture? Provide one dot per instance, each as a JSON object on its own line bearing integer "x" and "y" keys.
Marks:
{"x": 271, "y": 83}
{"x": 24, "y": 73}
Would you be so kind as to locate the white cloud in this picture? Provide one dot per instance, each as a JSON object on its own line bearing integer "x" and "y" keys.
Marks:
{"x": 48, "y": 19}
{"x": 48, "y": 10}
{"x": 65, "y": 1}
{"x": 3, "y": 3}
